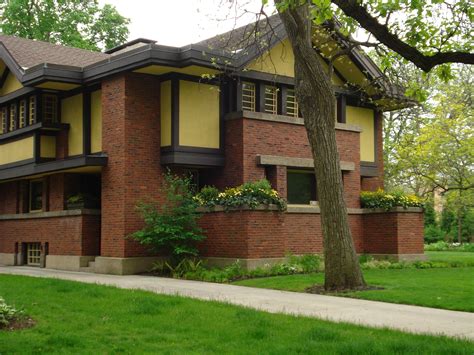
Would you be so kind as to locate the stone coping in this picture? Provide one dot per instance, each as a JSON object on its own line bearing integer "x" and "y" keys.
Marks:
{"x": 307, "y": 209}
{"x": 263, "y": 116}
{"x": 50, "y": 214}
{"x": 236, "y": 209}
{"x": 297, "y": 162}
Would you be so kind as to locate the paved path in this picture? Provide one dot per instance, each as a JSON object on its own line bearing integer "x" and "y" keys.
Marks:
{"x": 370, "y": 313}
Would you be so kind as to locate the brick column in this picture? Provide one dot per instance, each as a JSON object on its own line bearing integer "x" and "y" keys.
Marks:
{"x": 131, "y": 139}
{"x": 56, "y": 192}
{"x": 278, "y": 178}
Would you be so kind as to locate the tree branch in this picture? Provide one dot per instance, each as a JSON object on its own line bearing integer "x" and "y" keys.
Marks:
{"x": 353, "y": 9}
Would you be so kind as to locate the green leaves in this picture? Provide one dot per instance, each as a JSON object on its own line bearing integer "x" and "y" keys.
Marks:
{"x": 77, "y": 23}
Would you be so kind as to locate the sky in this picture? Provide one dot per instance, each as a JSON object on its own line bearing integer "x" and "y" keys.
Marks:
{"x": 180, "y": 22}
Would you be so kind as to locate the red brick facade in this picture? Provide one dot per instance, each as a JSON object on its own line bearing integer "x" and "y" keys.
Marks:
{"x": 270, "y": 234}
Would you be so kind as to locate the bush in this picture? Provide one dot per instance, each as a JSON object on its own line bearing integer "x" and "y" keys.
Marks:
{"x": 251, "y": 194}
{"x": 172, "y": 226}
{"x": 7, "y": 314}
{"x": 387, "y": 201}
{"x": 443, "y": 246}
{"x": 433, "y": 234}
{"x": 194, "y": 270}
{"x": 369, "y": 262}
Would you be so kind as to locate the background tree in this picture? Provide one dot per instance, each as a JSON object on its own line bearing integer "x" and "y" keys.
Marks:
{"x": 426, "y": 33}
{"x": 77, "y": 23}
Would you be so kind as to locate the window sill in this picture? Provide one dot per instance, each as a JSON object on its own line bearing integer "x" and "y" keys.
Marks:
{"x": 40, "y": 126}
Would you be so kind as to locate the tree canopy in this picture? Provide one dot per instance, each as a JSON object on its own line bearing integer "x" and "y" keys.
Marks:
{"x": 77, "y": 23}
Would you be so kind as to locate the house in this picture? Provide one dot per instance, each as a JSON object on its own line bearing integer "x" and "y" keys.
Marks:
{"x": 86, "y": 135}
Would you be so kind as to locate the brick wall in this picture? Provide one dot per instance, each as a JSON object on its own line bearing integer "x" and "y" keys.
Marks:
{"x": 264, "y": 234}
{"x": 71, "y": 235}
{"x": 131, "y": 139}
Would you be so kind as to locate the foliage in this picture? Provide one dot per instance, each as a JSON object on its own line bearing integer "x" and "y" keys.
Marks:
{"x": 387, "y": 201}
{"x": 172, "y": 226}
{"x": 433, "y": 234}
{"x": 76, "y": 23}
{"x": 371, "y": 263}
{"x": 250, "y": 194}
{"x": 7, "y": 313}
{"x": 192, "y": 269}
{"x": 443, "y": 246}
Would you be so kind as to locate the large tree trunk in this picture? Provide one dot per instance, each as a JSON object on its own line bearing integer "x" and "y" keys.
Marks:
{"x": 316, "y": 98}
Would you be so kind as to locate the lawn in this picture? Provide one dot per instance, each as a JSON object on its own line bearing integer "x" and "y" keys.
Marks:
{"x": 448, "y": 288}
{"x": 81, "y": 318}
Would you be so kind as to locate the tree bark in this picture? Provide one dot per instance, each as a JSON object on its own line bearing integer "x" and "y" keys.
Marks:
{"x": 316, "y": 98}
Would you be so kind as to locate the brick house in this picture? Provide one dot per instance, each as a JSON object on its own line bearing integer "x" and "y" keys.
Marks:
{"x": 84, "y": 136}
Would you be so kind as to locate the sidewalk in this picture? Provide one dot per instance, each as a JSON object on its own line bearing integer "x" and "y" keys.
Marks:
{"x": 369, "y": 313}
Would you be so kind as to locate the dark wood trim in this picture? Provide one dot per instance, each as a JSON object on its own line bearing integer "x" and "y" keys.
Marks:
{"x": 174, "y": 112}
{"x": 260, "y": 96}
{"x": 17, "y": 94}
{"x": 368, "y": 171}
{"x": 52, "y": 166}
{"x": 40, "y": 126}
{"x": 341, "y": 109}
{"x": 37, "y": 147}
{"x": 86, "y": 122}
{"x": 282, "y": 98}
{"x": 192, "y": 159}
{"x": 17, "y": 163}
{"x": 4, "y": 76}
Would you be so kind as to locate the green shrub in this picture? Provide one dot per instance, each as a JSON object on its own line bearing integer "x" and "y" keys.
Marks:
{"x": 172, "y": 227}
{"x": 251, "y": 194}
{"x": 444, "y": 246}
{"x": 387, "y": 201}
{"x": 7, "y": 314}
{"x": 433, "y": 234}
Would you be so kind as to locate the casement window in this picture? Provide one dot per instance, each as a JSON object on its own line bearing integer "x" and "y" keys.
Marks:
{"x": 32, "y": 110}
{"x": 291, "y": 103}
{"x": 4, "y": 120}
{"x": 22, "y": 114}
{"x": 248, "y": 96}
{"x": 271, "y": 100}
{"x": 50, "y": 108}
{"x": 33, "y": 254}
{"x": 301, "y": 187}
{"x": 12, "y": 117}
{"x": 36, "y": 195}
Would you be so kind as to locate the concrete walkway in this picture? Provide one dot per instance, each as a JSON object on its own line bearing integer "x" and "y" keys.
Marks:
{"x": 370, "y": 313}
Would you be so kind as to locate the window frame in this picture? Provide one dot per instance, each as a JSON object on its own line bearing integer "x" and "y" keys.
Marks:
{"x": 274, "y": 98}
{"x": 254, "y": 103}
{"x": 296, "y": 110}
{"x": 30, "y": 195}
{"x": 314, "y": 188}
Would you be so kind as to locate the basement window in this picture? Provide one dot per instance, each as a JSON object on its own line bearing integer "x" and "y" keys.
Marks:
{"x": 36, "y": 195}
{"x": 33, "y": 254}
{"x": 301, "y": 187}
{"x": 271, "y": 99}
{"x": 248, "y": 96}
{"x": 291, "y": 103}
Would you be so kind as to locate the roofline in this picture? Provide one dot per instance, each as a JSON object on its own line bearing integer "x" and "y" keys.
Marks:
{"x": 128, "y": 44}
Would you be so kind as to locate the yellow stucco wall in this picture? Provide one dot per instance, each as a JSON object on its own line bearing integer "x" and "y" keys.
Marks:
{"x": 71, "y": 112}
{"x": 57, "y": 85}
{"x": 16, "y": 151}
{"x": 96, "y": 121}
{"x": 11, "y": 84}
{"x": 198, "y": 115}
{"x": 48, "y": 147}
{"x": 165, "y": 113}
{"x": 364, "y": 118}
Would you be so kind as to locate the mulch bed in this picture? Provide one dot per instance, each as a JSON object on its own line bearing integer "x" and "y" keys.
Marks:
{"x": 18, "y": 324}
{"x": 319, "y": 289}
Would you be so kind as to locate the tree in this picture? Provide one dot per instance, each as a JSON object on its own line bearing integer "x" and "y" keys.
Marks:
{"x": 76, "y": 23}
{"x": 413, "y": 36}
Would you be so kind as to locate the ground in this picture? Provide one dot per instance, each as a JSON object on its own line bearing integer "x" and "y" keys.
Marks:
{"x": 80, "y": 318}
{"x": 447, "y": 288}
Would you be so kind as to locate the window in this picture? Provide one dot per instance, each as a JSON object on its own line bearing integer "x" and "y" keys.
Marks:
{"x": 271, "y": 99}
{"x": 33, "y": 253}
{"x": 22, "y": 116}
{"x": 291, "y": 103}
{"x": 36, "y": 196}
{"x": 12, "y": 117}
{"x": 32, "y": 113}
{"x": 50, "y": 108}
{"x": 4, "y": 120}
{"x": 301, "y": 186}
{"x": 248, "y": 96}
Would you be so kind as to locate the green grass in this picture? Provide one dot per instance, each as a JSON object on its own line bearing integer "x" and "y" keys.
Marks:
{"x": 90, "y": 319}
{"x": 448, "y": 288}
{"x": 451, "y": 256}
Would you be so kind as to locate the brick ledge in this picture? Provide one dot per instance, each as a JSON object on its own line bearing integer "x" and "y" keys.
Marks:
{"x": 51, "y": 214}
